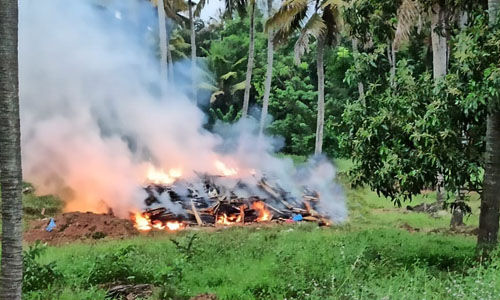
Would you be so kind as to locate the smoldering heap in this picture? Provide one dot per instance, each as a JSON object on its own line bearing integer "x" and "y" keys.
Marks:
{"x": 207, "y": 201}
{"x": 98, "y": 114}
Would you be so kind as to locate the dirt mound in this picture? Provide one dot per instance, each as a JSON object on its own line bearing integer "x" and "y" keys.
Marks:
{"x": 75, "y": 226}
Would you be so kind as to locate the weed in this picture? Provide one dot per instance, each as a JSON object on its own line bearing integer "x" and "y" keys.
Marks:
{"x": 38, "y": 276}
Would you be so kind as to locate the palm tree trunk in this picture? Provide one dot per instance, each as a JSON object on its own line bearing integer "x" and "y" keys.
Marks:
{"x": 361, "y": 87}
{"x": 391, "y": 55}
{"x": 10, "y": 155}
{"x": 162, "y": 31}
{"x": 170, "y": 62}
{"x": 321, "y": 97}
{"x": 439, "y": 66}
{"x": 269, "y": 73}
{"x": 488, "y": 218}
{"x": 251, "y": 55}
{"x": 193, "y": 49}
{"x": 439, "y": 42}
{"x": 490, "y": 199}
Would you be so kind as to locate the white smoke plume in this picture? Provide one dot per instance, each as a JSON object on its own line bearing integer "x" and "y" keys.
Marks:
{"x": 95, "y": 118}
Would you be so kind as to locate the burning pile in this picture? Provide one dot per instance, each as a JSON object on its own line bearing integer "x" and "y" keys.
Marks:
{"x": 173, "y": 203}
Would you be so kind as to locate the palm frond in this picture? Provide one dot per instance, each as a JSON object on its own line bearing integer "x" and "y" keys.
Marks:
{"x": 339, "y": 4}
{"x": 315, "y": 27}
{"x": 333, "y": 21}
{"x": 201, "y": 4}
{"x": 287, "y": 20}
{"x": 239, "y": 61}
{"x": 287, "y": 14}
{"x": 177, "y": 41}
{"x": 408, "y": 15}
{"x": 207, "y": 87}
{"x": 172, "y": 8}
{"x": 238, "y": 87}
{"x": 214, "y": 95}
{"x": 228, "y": 75}
{"x": 178, "y": 5}
{"x": 235, "y": 5}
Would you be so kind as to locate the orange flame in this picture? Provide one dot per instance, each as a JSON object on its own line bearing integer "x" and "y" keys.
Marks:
{"x": 174, "y": 225}
{"x": 142, "y": 222}
{"x": 226, "y": 171}
{"x": 158, "y": 176}
{"x": 224, "y": 219}
{"x": 264, "y": 213}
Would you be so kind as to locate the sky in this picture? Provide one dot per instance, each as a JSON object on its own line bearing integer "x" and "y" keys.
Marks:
{"x": 212, "y": 9}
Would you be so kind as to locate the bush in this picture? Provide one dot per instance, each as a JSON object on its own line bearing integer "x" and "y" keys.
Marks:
{"x": 35, "y": 275}
{"x": 120, "y": 266}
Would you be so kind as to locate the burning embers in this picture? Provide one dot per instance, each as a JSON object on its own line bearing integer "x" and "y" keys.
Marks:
{"x": 220, "y": 200}
{"x": 142, "y": 222}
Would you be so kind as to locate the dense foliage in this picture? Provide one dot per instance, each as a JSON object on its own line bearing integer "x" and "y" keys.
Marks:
{"x": 416, "y": 128}
{"x": 293, "y": 100}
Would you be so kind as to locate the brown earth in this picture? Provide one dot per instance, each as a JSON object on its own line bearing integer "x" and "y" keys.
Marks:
{"x": 76, "y": 226}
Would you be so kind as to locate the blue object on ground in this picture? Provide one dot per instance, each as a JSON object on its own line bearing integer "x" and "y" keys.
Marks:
{"x": 52, "y": 225}
{"x": 297, "y": 218}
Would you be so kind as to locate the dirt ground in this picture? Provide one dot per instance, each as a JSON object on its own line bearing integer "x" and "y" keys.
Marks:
{"x": 76, "y": 226}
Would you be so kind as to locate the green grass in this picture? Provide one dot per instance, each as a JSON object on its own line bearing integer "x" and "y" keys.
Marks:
{"x": 381, "y": 252}
{"x": 284, "y": 262}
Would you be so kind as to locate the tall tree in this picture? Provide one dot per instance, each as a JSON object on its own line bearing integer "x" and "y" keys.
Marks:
{"x": 355, "y": 52}
{"x": 490, "y": 198}
{"x": 10, "y": 155}
{"x": 269, "y": 71}
{"x": 162, "y": 31}
{"x": 439, "y": 63}
{"x": 192, "y": 32}
{"x": 323, "y": 25}
{"x": 320, "y": 122}
{"x": 250, "y": 62}
{"x": 170, "y": 9}
{"x": 193, "y": 47}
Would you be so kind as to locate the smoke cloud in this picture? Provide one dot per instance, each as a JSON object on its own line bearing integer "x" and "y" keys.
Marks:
{"x": 95, "y": 117}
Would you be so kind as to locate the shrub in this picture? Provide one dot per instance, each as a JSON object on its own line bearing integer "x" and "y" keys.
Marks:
{"x": 37, "y": 276}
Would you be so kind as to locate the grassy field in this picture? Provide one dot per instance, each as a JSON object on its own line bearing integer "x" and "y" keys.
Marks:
{"x": 382, "y": 252}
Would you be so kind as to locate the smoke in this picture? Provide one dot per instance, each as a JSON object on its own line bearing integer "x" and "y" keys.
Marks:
{"x": 95, "y": 117}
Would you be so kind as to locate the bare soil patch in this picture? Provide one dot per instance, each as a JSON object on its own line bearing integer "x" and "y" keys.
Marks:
{"x": 75, "y": 226}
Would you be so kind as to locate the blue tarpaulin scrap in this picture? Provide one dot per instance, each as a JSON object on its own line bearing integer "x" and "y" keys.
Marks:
{"x": 297, "y": 218}
{"x": 51, "y": 225}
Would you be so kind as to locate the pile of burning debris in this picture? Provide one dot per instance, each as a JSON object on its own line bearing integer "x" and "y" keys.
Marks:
{"x": 209, "y": 202}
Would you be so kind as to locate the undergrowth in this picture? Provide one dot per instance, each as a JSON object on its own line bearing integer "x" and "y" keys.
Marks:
{"x": 286, "y": 262}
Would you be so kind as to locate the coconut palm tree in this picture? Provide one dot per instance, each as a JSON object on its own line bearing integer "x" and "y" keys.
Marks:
{"x": 170, "y": 9}
{"x": 194, "y": 11}
{"x": 490, "y": 199}
{"x": 162, "y": 31}
{"x": 250, "y": 62}
{"x": 269, "y": 72}
{"x": 322, "y": 25}
{"x": 10, "y": 155}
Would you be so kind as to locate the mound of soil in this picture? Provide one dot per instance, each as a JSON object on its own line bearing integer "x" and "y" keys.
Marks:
{"x": 75, "y": 226}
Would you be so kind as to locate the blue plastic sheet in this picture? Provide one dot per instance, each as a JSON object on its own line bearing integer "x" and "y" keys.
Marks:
{"x": 51, "y": 225}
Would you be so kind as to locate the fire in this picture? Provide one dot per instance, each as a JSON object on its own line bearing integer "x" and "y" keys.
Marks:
{"x": 226, "y": 171}
{"x": 158, "y": 225}
{"x": 224, "y": 219}
{"x": 158, "y": 176}
{"x": 264, "y": 213}
{"x": 174, "y": 225}
{"x": 143, "y": 223}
